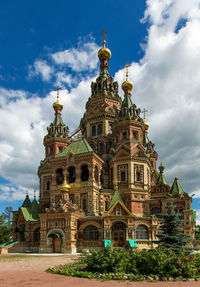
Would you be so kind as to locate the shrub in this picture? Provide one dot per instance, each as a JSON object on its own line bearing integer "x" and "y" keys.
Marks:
{"x": 121, "y": 264}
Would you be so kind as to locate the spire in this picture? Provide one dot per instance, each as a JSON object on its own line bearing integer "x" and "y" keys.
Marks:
{"x": 161, "y": 178}
{"x": 127, "y": 86}
{"x": 176, "y": 187}
{"x": 127, "y": 107}
{"x": 27, "y": 202}
{"x": 57, "y": 126}
{"x": 116, "y": 198}
{"x": 104, "y": 53}
{"x": 146, "y": 125}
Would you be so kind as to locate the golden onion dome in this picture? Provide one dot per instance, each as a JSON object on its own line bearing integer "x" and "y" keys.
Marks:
{"x": 57, "y": 106}
{"x": 65, "y": 187}
{"x": 146, "y": 125}
{"x": 127, "y": 85}
{"x": 104, "y": 53}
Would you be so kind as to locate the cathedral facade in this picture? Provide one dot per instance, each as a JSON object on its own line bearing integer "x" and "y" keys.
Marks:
{"x": 102, "y": 188}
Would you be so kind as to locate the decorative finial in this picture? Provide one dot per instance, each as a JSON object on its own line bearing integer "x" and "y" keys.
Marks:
{"x": 104, "y": 37}
{"x": 58, "y": 88}
{"x": 176, "y": 177}
{"x": 144, "y": 112}
{"x": 126, "y": 67}
{"x": 57, "y": 106}
{"x": 27, "y": 192}
{"x": 161, "y": 167}
{"x": 34, "y": 194}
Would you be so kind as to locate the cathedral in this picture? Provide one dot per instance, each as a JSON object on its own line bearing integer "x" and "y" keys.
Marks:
{"x": 101, "y": 187}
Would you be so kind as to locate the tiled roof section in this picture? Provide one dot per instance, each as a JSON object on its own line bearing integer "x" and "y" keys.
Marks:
{"x": 127, "y": 102}
{"x": 162, "y": 179}
{"x": 77, "y": 147}
{"x": 27, "y": 202}
{"x": 32, "y": 212}
{"x": 176, "y": 187}
{"x": 116, "y": 197}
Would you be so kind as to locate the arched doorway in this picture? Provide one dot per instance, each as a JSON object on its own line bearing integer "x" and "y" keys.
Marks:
{"x": 119, "y": 234}
{"x": 57, "y": 240}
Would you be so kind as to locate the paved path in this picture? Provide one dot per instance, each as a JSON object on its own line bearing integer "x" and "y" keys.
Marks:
{"x": 31, "y": 272}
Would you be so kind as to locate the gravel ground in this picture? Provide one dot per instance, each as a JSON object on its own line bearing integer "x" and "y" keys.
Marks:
{"x": 30, "y": 271}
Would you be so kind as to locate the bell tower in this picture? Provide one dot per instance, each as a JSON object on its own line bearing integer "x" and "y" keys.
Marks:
{"x": 101, "y": 106}
{"x": 57, "y": 138}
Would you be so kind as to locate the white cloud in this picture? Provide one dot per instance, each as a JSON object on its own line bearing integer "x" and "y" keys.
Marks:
{"x": 167, "y": 84}
{"x": 81, "y": 59}
{"x": 41, "y": 68}
{"x": 23, "y": 122}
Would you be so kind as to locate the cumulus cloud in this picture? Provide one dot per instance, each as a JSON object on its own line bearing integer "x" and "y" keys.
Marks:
{"x": 41, "y": 68}
{"x": 167, "y": 84}
{"x": 23, "y": 122}
{"x": 81, "y": 59}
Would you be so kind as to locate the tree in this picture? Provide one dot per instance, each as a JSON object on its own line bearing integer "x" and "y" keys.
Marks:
{"x": 172, "y": 235}
{"x": 5, "y": 225}
{"x": 7, "y": 214}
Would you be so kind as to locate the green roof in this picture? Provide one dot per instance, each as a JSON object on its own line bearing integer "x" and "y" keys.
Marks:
{"x": 162, "y": 179}
{"x": 76, "y": 147}
{"x": 127, "y": 102}
{"x": 31, "y": 213}
{"x": 176, "y": 187}
{"x": 27, "y": 202}
{"x": 116, "y": 197}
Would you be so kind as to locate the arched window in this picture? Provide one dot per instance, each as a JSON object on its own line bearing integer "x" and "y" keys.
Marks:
{"x": 91, "y": 233}
{"x": 48, "y": 185}
{"x": 59, "y": 176}
{"x": 124, "y": 135}
{"x": 100, "y": 129}
{"x": 142, "y": 232}
{"x": 101, "y": 147}
{"x": 94, "y": 132}
{"x": 84, "y": 172}
{"x": 106, "y": 205}
{"x": 72, "y": 174}
{"x": 96, "y": 174}
{"x": 102, "y": 177}
{"x": 36, "y": 234}
{"x": 123, "y": 176}
{"x": 138, "y": 176}
{"x": 155, "y": 210}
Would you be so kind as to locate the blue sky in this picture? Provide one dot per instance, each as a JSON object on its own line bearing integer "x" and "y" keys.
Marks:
{"x": 45, "y": 43}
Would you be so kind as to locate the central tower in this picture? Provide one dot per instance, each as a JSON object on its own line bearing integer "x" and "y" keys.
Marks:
{"x": 101, "y": 107}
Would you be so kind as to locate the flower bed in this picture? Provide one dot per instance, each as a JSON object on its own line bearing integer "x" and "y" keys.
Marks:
{"x": 121, "y": 264}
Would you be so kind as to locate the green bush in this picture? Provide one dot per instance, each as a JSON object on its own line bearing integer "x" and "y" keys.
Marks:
{"x": 121, "y": 264}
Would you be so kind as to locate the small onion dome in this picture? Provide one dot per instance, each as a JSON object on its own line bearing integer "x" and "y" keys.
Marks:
{"x": 65, "y": 187}
{"x": 104, "y": 53}
{"x": 161, "y": 167}
{"x": 146, "y": 125}
{"x": 127, "y": 85}
{"x": 57, "y": 106}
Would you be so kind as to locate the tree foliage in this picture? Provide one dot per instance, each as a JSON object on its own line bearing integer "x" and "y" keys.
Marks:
{"x": 6, "y": 225}
{"x": 172, "y": 235}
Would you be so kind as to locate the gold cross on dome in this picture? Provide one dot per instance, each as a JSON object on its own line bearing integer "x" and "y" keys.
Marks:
{"x": 144, "y": 112}
{"x": 126, "y": 67}
{"x": 58, "y": 88}
{"x": 104, "y": 37}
